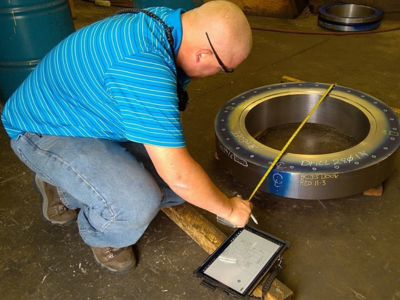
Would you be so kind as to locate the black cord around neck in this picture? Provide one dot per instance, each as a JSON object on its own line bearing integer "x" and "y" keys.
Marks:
{"x": 167, "y": 29}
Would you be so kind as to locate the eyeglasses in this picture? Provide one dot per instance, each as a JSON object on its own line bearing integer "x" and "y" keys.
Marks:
{"x": 226, "y": 70}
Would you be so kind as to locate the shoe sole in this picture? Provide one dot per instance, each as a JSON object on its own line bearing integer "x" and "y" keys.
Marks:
{"x": 131, "y": 268}
{"x": 39, "y": 188}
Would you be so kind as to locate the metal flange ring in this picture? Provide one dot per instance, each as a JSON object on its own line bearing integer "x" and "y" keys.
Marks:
{"x": 372, "y": 123}
{"x": 349, "y": 17}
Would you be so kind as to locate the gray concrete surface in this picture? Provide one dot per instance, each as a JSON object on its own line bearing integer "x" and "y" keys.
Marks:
{"x": 341, "y": 249}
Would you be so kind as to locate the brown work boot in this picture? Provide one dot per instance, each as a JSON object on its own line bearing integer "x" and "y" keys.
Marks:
{"x": 53, "y": 209}
{"x": 116, "y": 260}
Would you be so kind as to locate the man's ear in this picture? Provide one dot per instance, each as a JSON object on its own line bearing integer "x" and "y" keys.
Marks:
{"x": 202, "y": 53}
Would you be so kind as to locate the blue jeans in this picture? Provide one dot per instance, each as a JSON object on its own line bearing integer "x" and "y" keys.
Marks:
{"x": 114, "y": 184}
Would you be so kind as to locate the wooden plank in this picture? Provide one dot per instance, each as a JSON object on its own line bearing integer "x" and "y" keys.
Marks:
{"x": 376, "y": 191}
{"x": 290, "y": 79}
{"x": 196, "y": 226}
{"x": 72, "y": 7}
{"x": 396, "y": 110}
{"x": 208, "y": 237}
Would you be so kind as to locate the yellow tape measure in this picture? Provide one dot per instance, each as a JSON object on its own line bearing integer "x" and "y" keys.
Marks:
{"x": 290, "y": 140}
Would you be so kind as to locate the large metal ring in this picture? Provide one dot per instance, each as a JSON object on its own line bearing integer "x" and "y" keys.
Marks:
{"x": 349, "y": 17}
{"x": 372, "y": 123}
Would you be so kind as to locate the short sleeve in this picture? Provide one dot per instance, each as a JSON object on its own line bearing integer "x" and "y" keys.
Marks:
{"x": 144, "y": 89}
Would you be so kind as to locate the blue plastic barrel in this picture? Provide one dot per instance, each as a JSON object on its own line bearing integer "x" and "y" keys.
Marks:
{"x": 185, "y": 4}
{"x": 29, "y": 30}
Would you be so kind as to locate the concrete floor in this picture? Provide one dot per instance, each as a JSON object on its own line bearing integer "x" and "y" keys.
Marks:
{"x": 341, "y": 249}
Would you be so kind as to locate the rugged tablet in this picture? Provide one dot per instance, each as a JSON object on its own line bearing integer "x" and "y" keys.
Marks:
{"x": 242, "y": 261}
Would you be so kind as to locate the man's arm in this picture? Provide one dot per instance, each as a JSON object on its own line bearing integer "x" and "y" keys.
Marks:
{"x": 188, "y": 179}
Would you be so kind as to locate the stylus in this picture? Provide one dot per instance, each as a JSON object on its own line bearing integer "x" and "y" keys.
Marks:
{"x": 254, "y": 219}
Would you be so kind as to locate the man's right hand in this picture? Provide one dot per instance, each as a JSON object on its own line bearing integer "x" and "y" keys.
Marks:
{"x": 240, "y": 212}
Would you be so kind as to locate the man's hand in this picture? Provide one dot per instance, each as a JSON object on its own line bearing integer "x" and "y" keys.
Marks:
{"x": 240, "y": 212}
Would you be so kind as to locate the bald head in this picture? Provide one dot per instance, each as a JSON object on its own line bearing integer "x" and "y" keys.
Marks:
{"x": 228, "y": 31}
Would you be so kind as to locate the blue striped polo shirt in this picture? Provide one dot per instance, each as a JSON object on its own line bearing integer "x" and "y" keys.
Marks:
{"x": 114, "y": 79}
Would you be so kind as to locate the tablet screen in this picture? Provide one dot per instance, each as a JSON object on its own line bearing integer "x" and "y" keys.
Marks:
{"x": 242, "y": 261}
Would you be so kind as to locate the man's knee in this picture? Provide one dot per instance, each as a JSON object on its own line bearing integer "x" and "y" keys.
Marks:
{"x": 130, "y": 216}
